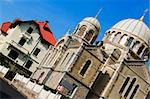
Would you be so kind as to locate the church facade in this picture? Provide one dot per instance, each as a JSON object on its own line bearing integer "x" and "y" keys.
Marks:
{"x": 114, "y": 68}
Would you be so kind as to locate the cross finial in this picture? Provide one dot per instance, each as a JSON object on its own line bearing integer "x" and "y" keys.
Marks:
{"x": 145, "y": 12}
{"x": 98, "y": 13}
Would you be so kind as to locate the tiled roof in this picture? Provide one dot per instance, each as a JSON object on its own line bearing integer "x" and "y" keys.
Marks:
{"x": 44, "y": 30}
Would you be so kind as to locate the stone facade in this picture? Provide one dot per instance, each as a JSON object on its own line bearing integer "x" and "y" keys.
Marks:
{"x": 114, "y": 68}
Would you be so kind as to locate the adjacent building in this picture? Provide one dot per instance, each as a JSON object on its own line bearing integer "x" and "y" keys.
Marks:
{"x": 24, "y": 44}
{"x": 114, "y": 68}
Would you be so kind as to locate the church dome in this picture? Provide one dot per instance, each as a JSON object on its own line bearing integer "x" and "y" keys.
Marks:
{"x": 93, "y": 21}
{"x": 135, "y": 27}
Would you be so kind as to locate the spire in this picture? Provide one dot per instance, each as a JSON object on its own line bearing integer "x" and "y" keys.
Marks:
{"x": 96, "y": 16}
{"x": 142, "y": 17}
{"x": 68, "y": 32}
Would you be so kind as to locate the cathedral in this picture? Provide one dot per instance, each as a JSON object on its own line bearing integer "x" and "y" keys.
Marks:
{"x": 114, "y": 68}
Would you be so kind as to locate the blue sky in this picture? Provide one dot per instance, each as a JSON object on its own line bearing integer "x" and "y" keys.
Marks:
{"x": 65, "y": 14}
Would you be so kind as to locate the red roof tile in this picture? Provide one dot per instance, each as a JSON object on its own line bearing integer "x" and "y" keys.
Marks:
{"x": 5, "y": 26}
{"x": 44, "y": 30}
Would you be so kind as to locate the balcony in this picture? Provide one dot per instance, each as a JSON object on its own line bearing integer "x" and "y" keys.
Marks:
{"x": 19, "y": 47}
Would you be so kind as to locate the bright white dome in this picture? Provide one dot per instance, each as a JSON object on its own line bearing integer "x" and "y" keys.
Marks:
{"x": 93, "y": 21}
{"x": 134, "y": 27}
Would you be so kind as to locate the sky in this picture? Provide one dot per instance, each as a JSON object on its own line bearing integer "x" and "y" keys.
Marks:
{"x": 66, "y": 14}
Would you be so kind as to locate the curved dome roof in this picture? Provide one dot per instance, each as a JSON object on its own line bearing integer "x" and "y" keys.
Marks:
{"x": 135, "y": 27}
{"x": 93, "y": 21}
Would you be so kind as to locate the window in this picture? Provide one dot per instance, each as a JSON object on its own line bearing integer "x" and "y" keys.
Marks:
{"x": 36, "y": 52}
{"x": 129, "y": 41}
{"x": 135, "y": 46}
{"x": 89, "y": 35}
{"x": 81, "y": 30}
{"x": 145, "y": 53}
{"x": 148, "y": 95}
{"x": 22, "y": 41}
{"x": 130, "y": 87}
{"x": 29, "y": 30}
{"x": 28, "y": 64}
{"x": 85, "y": 67}
{"x": 123, "y": 39}
{"x": 134, "y": 91}
{"x": 140, "y": 50}
{"x": 13, "y": 54}
{"x": 117, "y": 37}
{"x": 124, "y": 85}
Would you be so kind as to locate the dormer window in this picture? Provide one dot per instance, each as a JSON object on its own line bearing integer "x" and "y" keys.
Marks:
{"x": 22, "y": 41}
{"x": 30, "y": 30}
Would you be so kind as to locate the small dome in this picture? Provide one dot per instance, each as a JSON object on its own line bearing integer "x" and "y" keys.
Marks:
{"x": 93, "y": 21}
{"x": 134, "y": 27}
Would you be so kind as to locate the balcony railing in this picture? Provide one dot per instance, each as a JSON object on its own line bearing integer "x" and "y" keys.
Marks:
{"x": 19, "y": 47}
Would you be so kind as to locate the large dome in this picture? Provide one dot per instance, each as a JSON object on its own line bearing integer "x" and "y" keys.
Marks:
{"x": 134, "y": 27}
{"x": 93, "y": 21}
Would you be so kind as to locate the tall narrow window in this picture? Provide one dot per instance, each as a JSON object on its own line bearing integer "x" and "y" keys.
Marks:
{"x": 117, "y": 37}
{"x": 29, "y": 30}
{"x": 89, "y": 35}
{"x": 140, "y": 50}
{"x": 64, "y": 59}
{"x": 81, "y": 30}
{"x": 13, "y": 54}
{"x": 134, "y": 91}
{"x": 145, "y": 53}
{"x": 85, "y": 67}
{"x": 22, "y": 41}
{"x": 37, "y": 51}
{"x": 123, "y": 39}
{"x": 129, "y": 41}
{"x": 148, "y": 95}
{"x": 130, "y": 87}
{"x": 28, "y": 64}
{"x": 135, "y": 46}
{"x": 124, "y": 85}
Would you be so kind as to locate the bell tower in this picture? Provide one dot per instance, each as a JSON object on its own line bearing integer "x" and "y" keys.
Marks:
{"x": 87, "y": 30}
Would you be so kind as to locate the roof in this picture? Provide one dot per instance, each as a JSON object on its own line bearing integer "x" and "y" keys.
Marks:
{"x": 93, "y": 21}
{"x": 46, "y": 33}
{"x": 134, "y": 27}
{"x": 5, "y": 26}
{"x": 44, "y": 30}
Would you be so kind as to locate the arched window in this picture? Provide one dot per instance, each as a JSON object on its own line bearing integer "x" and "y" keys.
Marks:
{"x": 134, "y": 92}
{"x": 112, "y": 36}
{"x": 117, "y": 37}
{"x": 89, "y": 35}
{"x": 140, "y": 50}
{"x": 129, "y": 41}
{"x": 81, "y": 30}
{"x": 130, "y": 87}
{"x": 123, "y": 39}
{"x": 148, "y": 95}
{"x": 135, "y": 46}
{"x": 145, "y": 53}
{"x": 85, "y": 67}
{"x": 124, "y": 85}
